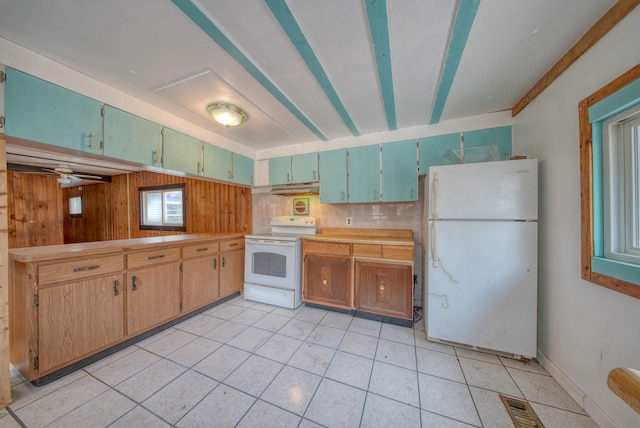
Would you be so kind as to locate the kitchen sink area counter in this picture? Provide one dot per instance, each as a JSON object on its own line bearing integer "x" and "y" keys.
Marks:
{"x": 70, "y": 304}
{"x": 366, "y": 272}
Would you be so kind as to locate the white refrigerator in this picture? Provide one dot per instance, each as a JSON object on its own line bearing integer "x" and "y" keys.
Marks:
{"x": 482, "y": 256}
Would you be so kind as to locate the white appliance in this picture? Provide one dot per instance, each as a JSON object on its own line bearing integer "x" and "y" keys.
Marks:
{"x": 273, "y": 262}
{"x": 482, "y": 256}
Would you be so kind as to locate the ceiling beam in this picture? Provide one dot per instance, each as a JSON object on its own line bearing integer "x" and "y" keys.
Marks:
{"x": 590, "y": 38}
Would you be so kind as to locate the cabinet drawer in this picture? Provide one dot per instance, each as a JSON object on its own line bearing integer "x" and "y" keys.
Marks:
{"x": 199, "y": 250}
{"x": 330, "y": 248}
{"x": 367, "y": 250}
{"x": 152, "y": 257}
{"x": 232, "y": 244}
{"x": 397, "y": 252}
{"x": 77, "y": 269}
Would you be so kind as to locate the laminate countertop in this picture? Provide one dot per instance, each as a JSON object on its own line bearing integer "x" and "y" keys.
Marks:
{"x": 57, "y": 252}
{"x": 399, "y": 237}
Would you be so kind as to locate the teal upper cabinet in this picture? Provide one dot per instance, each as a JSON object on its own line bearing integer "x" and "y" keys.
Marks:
{"x": 400, "y": 171}
{"x": 181, "y": 152}
{"x": 294, "y": 169}
{"x": 433, "y": 150}
{"x": 218, "y": 162}
{"x": 304, "y": 168}
{"x": 132, "y": 138}
{"x": 280, "y": 170}
{"x": 333, "y": 176}
{"x": 363, "y": 164}
{"x": 242, "y": 169}
{"x": 40, "y": 111}
{"x": 501, "y": 137}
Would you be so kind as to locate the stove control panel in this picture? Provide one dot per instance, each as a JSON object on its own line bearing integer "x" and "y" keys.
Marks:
{"x": 293, "y": 221}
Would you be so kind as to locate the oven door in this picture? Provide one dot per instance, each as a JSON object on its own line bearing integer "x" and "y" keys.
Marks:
{"x": 271, "y": 262}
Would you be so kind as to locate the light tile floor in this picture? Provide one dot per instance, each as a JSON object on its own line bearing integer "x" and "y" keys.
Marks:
{"x": 249, "y": 364}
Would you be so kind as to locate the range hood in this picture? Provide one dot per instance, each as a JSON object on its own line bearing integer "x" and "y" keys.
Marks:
{"x": 296, "y": 189}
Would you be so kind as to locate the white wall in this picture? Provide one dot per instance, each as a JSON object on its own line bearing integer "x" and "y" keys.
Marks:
{"x": 584, "y": 330}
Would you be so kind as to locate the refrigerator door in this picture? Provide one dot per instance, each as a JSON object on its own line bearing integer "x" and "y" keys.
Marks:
{"x": 482, "y": 285}
{"x": 489, "y": 190}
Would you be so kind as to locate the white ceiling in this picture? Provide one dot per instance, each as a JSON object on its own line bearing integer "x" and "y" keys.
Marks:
{"x": 154, "y": 51}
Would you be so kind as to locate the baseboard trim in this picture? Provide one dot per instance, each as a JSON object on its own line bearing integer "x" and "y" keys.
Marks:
{"x": 583, "y": 400}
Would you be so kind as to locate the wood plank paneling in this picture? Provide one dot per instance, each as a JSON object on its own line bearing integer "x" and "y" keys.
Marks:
{"x": 35, "y": 210}
{"x": 5, "y": 377}
{"x": 93, "y": 224}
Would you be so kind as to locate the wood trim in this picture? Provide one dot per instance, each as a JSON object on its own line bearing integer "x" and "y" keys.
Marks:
{"x": 5, "y": 377}
{"x": 586, "y": 194}
{"x": 590, "y": 38}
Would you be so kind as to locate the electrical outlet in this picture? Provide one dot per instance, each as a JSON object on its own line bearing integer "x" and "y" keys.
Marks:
{"x": 348, "y": 221}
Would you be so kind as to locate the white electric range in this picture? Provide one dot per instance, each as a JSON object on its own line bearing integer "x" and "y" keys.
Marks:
{"x": 273, "y": 262}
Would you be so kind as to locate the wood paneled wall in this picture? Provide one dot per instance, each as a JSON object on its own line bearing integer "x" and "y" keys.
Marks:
{"x": 211, "y": 206}
{"x": 35, "y": 210}
{"x": 39, "y": 209}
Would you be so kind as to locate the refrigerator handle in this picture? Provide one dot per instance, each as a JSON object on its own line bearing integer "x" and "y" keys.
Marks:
{"x": 434, "y": 244}
{"x": 434, "y": 190}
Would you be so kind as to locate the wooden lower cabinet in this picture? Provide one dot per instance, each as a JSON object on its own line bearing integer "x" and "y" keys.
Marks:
{"x": 231, "y": 271}
{"x": 200, "y": 282}
{"x": 78, "y": 318}
{"x": 384, "y": 288}
{"x": 153, "y": 296}
{"x": 327, "y": 280}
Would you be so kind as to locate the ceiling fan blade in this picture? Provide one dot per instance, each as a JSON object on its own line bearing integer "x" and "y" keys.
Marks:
{"x": 104, "y": 178}
{"x": 28, "y": 169}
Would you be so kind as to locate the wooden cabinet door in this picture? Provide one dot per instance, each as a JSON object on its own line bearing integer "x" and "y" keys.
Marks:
{"x": 304, "y": 168}
{"x": 153, "y": 296}
{"x": 400, "y": 171}
{"x": 181, "y": 152}
{"x": 333, "y": 176}
{"x": 78, "y": 318}
{"x": 132, "y": 138}
{"x": 384, "y": 288}
{"x": 41, "y": 111}
{"x": 200, "y": 282}
{"x": 327, "y": 281}
{"x": 231, "y": 272}
{"x": 242, "y": 169}
{"x": 218, "y": 162}
{"x": 364, "y": 174}
{"x": 280, "y": 170}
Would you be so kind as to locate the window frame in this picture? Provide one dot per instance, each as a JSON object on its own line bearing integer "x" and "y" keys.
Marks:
{"x": 69, "y": 203}
{"x": 612, "y": 274}
{"x": 163, "y": 188}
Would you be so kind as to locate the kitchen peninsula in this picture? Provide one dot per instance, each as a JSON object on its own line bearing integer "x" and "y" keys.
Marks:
{"x": 367, "y": 272}
{"x": 72, "y": 304}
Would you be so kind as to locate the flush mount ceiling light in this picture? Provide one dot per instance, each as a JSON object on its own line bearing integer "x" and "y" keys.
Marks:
{"x": 227, "y": 114}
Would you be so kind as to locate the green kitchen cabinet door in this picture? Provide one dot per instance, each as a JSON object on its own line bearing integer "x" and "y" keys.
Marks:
{"x": 40, "y": 111}
{"x": 242, "y": 169}
{"x": 131, "y": 138}
{"x": 280, "y": 170}
{"x": 501, "y": 137}
{"x": 181, "y": 152}
{"x": 363, "y": 166}
{"x": 400, "y": 171}
{"x": 333, "y": 176}
{"x": 304, "y": 168}
{"x": 433, "y": 151}
{"x": 218, "y": 163}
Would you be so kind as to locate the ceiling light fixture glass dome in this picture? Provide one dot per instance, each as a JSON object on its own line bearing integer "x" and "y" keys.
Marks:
{"x": 227, "y": 114}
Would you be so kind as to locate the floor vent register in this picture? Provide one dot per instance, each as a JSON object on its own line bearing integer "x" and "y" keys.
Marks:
{"x": 521, "y": 413}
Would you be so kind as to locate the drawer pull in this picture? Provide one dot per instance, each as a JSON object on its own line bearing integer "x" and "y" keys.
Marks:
{"x": 134, "y": 283}
{"x": 199, "y": 250}
{"x": 116, "y": 286}
{"x": 235, "y": 244}
{"x": 215, "y": 263}
{"x": 159, "y": 256}
{"x": 86, "y": 268}
{"x": 223, "y": 262}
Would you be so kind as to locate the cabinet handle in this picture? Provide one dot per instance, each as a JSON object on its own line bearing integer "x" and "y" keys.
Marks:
{"x": 374, "y": 195}
{"x": 199, "y": 250}
{"x": 134, "y": 283}
{"x": 288, "y": 180}
{"x": 223, "y": 262}
{"x": 198, "y": 168}
{"x": 91, "y": 140}
{"x": 314, "y": 176}
{"x": 342, "y": 196}
{"x": 411, "y": 194}
{"x": 229, "y": 174}
{"x": 154, "y": 157}
{"x": 215, "y": 263}
{"x": 159, "y": 256}
{"x": 86, "y": 268}
{"x": 233, "y": 245}
{"x": 116, "y": 285}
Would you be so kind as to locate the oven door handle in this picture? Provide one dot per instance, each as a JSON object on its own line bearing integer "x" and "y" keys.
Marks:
{"x": 271, "y": 242}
